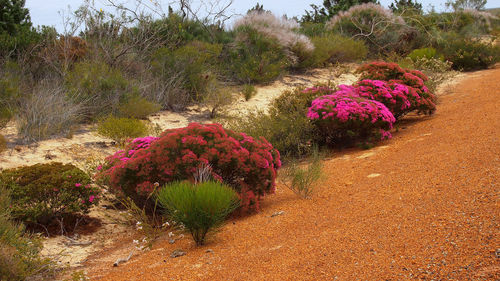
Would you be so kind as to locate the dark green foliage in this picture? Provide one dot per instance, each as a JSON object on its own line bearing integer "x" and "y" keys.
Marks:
{"x": 121, "y": 129}
{"x": 200, "y": 208}
{"x": 100, "y": 88}
{"x": 45, "y": 192}
{"x": 253, "y": 57}
{"x": 330, "y": 8}
{"x": 248, "y": 91}
{"x": 406, "y": 6}
{"x": 469, "y": 54}
{"x": 13, "y": 16}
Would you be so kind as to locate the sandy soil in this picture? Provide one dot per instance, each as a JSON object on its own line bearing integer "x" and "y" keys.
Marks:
{"x": 423, "y": 205}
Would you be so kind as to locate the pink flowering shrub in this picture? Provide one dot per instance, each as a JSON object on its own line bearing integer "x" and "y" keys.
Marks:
{"x": 43, "y": 193}
{"x": 399, "y": 98}
{"x": 346, "y": 115}
{"x": 248, "y": 165}
{"x": 414, "y": 79}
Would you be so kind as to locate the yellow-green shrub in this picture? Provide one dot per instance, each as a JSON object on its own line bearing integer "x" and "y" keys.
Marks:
{"x": 121, "y": 129}
{"x": 138, "y": 107}
{"x": 3, "y": 143}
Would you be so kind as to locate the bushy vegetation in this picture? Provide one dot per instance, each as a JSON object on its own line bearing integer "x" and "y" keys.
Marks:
{"x": 301, "y": 180}
{"x": 248, "y": 165}
{"x": 19, "y": 251}
{"x": 3, "y": 143}
{"x": 43, "y": 193}
{"x": 200, "y": 208}
{"x": 331, "y": 48}
{"x": 121, "y": 129}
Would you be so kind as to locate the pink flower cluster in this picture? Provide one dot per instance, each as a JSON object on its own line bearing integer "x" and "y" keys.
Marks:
{"x": 347, "y": 110}
{"x": 249, "y": 165}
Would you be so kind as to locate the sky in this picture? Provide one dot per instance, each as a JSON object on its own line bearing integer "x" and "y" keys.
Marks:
{"x": 48, "y": 12}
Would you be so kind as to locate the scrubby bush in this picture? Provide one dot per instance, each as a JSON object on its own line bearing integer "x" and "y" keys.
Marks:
{"x": 246, "y": 164}
{"x": 46, "y": 112}
{"x": 301, "y": 180}
{"x": 333, "y": 48}
{"x": 201, "y": 208}
{"x": 286, "y": 125}
{"x": 3, "y": 143}
{"x": 45, "y": 192}
{"x": 138, "y": 107}
{"x": 469, "y": 53}
{"x": 248, "y": 91}
{"x": 100, "y": 88}
{"x": 253, "y": 57}
{"x": 194, "y": 63}
{"x": 121, "y": 129}
{"x": 9, "y": 91}
{"x": 284, "y": 31}
{"x": 19, "y": 252}
{"x": 426, "y": 53}
{"x": 346, "y": 117}
{"x": 377, "y": 26}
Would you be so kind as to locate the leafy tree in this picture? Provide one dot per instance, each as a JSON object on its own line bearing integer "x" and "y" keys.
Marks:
{"x": 13, "y": 16}
{"x": 466, "y": 4}
{"x": 400, "y": 6}
{"x": 330, "y": 8}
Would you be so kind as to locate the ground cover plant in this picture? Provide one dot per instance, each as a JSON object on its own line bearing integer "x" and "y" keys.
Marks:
{"x": 201, "y": 208}
{"x": 246, "y": 164}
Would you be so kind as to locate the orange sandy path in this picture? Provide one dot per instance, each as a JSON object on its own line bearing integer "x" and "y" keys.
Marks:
{"x": 432, "y": 214}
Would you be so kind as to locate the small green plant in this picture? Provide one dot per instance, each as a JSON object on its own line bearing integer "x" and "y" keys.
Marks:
{"x": 217, "y": 98}
{"x": 301, "y": 180}
{"x": 138, "y": 107}
{"x": 248, "y": 91}
{"x": 121, "y": 129}
{"x": 201, "y": 208}
{"x": 3, "y": 143}
{"x": 426, "y": 53}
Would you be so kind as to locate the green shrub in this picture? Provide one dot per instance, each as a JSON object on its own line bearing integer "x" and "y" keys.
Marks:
{"x": 426, "y": 53}
{"x": 301, "y": 180}
{"x": 99, "y": 87}
{"x": 43, "y": 193}
{"x": 19, "y": 257}
{"x": 254, "y": 58}
{"x": 121, "y": 129}
{"x": 248, "y": 91}
{"x": 195, "y": 64}
{"x": 9, "y": 91}
{"x": 201, "y": 208}
{"x": 138, "y": 107}
{"x": 469, "y": 53}
{"x": 286, "y": 125}
{"x": 3, "y": 143}
{"x": 335, "y": 49}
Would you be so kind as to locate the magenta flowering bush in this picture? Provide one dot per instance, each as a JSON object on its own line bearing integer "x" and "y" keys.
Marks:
{"x": 248, "y": 165}
{"x": 43, "y": 193}
{"x": 424, "y": 101}
{"x": 344, "y": 115}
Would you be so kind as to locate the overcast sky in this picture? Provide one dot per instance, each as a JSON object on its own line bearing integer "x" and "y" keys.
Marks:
{"x": 46, "y": 12}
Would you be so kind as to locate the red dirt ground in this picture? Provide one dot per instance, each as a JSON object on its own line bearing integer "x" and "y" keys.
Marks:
{"x": 432, "y": 213}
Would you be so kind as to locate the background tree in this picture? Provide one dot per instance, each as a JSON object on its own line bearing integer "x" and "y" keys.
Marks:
{"x": 330, "y": 8}
{"x": 13, "y": 16}
{"x": 400, "y": 6}
{"x": 466, "y": 4}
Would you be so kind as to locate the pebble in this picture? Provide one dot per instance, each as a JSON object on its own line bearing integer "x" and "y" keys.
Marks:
{"x": 277, "y": 214}
{"x": 177, "y": 253}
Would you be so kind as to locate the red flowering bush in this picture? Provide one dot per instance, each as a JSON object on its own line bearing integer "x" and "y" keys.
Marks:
{"x": 346, "y": 115}
{"x": 414, "y": 79}
{"x": 44, "y": 192}
{"x": 248, "y": 165}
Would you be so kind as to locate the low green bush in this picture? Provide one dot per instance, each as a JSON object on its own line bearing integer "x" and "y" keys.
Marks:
{"x": 121, "y": 129}
{"x": 138, "y": 107}
{"x": 426, "y": 53}
{"x": 19, "y": 252}
{"x": 248, "y": 91}
{"x": 43, "y": 193}
{"x": 200, "y": 208}
{"x": 334, "y": 48}
{"x": 469, "y": 53}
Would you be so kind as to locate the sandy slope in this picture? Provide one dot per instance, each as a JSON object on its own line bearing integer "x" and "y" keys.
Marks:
{"x": 423, "y": 205}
